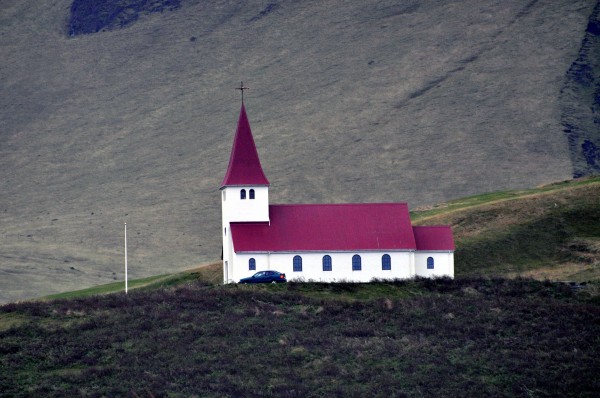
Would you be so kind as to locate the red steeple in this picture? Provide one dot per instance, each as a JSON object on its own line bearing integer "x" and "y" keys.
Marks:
{"x": 244, "y": 165}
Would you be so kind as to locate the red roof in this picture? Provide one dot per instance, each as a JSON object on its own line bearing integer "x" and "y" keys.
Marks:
{"x": 434, "y": 238}
{"x": 329, "y": 227}
{"x": 244, "y": 165}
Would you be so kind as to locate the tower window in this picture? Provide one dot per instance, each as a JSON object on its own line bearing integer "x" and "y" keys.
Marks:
{"x": 326, "y": 263}
{"x": 356, "y": 263}
{"x": 251, "y": 193}
{"x": 252, "y": 264}
{"x": 297, "y": 262}
{"x": 386, "y": 262}
{"x": 429, "y": 262}
{"x": 243, "y": 194}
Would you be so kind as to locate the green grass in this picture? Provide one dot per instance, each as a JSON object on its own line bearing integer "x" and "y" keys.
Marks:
{"x": 471, "y": 202}
{"x": 211, "y": 273}
{"x": 108, "y": 288}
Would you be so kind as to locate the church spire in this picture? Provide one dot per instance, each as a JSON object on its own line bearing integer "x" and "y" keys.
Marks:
{"x": 244, "y": 165}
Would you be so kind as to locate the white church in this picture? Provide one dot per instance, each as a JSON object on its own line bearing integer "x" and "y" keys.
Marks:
{"x": 320, "y": 242}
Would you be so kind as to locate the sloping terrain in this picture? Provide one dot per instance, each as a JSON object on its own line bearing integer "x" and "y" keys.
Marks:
{"x": 552, "y": 232}
{"x": 419, "y": 338}
{"x": 418, "y": 101}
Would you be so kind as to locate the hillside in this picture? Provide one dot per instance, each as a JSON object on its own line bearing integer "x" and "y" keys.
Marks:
{"x": 425, "y": 338}
{"x": 368, "y": 101}
{"x": 551, "y": 232}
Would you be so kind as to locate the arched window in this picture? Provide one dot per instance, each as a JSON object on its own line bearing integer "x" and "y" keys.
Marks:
{"x": 326, "y": 263}
{"x": 297, "y": 264}
{"x": 356, "y": 263}
{"x": 251, "y": 194}
{"x": 252, "y": 264}
{"x": 386, "y": 262}
{"x": 243, "y": 194}
{"x": 429, "y": 262}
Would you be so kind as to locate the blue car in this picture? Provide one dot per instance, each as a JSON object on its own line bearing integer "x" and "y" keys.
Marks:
{"x": 265, "y": 277}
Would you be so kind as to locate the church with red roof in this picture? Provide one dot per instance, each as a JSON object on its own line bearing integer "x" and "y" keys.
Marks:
{"x": 355, "y": 242}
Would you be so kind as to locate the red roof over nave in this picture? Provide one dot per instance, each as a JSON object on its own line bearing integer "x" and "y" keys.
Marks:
{"x": 327, "y": 227}
{"x": 244, "y": 165}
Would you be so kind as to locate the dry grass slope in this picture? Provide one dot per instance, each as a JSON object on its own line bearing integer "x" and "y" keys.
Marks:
{"x": 373, "y": 101}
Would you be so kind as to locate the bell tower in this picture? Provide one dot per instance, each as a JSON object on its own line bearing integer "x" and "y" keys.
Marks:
{"x": 244, "y": 190}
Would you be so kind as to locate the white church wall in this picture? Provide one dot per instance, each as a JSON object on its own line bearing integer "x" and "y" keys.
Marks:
{"x": 443, "y": 264}
{"x": 341, "y": 266}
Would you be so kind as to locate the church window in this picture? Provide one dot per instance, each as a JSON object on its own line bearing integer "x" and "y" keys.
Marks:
{"x": 429, "y": 262}
{"x": 386, "y": 262}
{"x": 356, "y": 263}
{"x": 251, "y": 194}
{"x": 297, "y": 262}
{"x": 252, "y": 264}
{"x": 326, "y": 263}
{"x": 243, "y": 194}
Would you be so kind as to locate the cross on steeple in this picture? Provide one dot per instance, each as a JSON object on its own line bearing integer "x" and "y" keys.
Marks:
{"x": 242, "y": 88}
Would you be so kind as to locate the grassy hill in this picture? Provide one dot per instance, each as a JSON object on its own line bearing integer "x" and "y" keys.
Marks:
{"x": 468, "y": 337}
{"x": 369, "y": 101}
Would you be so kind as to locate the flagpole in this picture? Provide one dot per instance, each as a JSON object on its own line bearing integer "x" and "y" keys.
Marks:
{"x": 125, "y": 258}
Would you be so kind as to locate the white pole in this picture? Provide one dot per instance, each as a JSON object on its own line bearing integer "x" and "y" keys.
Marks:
{"x": 125, "y": 258}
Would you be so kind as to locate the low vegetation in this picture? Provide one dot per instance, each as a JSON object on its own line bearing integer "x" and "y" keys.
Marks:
{"x": 468, "y": 337}
{"x": 185, "y": 335}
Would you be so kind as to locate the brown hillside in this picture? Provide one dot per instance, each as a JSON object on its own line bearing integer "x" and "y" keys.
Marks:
{"x": 418, "y": 101}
